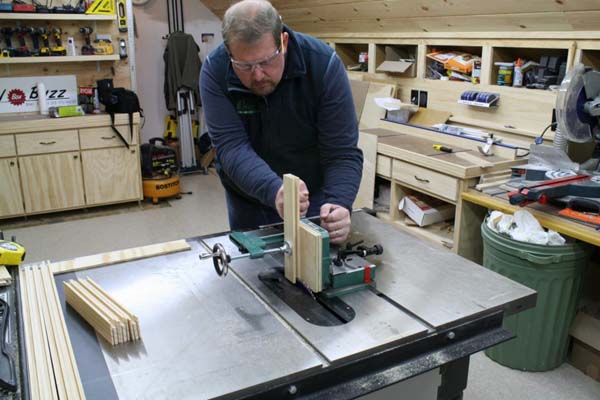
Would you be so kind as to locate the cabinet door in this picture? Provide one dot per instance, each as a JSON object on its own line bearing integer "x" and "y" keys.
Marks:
{"x": 51, "y": 181}
{"x": 111, "y": 175}
{"x": 11, "y": 201}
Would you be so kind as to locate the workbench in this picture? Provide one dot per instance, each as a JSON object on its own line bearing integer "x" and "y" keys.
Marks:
{"x": 475, "y": 207}
{"x": 205, "y": 336}
{"x": 403, "y": 155}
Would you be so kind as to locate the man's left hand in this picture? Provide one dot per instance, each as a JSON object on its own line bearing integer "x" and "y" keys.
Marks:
{"x": 336, "y": 220}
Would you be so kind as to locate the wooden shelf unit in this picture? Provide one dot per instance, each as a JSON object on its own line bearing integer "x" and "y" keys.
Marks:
{"x": 60, "y": 164}
{"x": 349, "y": 52}
{"x": 522, "y": 113}
{"x": 58, "y": 59}
{"x": 56, "y": 17}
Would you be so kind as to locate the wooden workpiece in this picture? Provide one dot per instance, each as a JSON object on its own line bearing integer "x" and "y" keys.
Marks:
{"x": 110, "y": 320}
{"x": 119, "y": 256}
{"x": 305, "y": 262}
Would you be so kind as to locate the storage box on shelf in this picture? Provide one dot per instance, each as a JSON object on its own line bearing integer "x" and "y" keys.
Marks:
{"x": 59, "y": 164}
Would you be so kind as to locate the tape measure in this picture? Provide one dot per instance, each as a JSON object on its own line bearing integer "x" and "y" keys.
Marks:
{"x": 11, "y": 253}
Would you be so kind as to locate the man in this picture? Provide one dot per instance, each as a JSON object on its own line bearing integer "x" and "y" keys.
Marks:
{"x": 276, "y": 102}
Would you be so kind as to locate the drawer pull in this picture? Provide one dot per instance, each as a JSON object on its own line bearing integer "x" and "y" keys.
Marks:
{"x": 48, "y": 143}
{"x": 75, "y": 157}
{"x": 108, "y": 137}
{"x": 12, "y": 163}
{"x": 422, "y": 179}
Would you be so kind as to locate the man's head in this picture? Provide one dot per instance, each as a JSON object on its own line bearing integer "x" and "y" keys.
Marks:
{"x": 252, "y": 33}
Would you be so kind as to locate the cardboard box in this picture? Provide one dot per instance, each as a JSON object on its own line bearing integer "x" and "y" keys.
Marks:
{"x": 426, "y": 210}
{"x": 395, "y": 62}
{"x": 585, "y": 330}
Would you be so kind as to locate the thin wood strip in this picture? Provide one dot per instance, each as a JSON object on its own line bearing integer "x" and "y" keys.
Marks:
{"x": 28, "y": 332}
{"x": 56, "y": 361}
{"x": 291, "y": 211}
{"x": 46, "y": 378}
{"x": 119, "y": 256}
{"x": 132, "y": 316}
{"x": 63, "y": 360}
{"x": 75, "y": 385}
{"x": 5, "y": 278}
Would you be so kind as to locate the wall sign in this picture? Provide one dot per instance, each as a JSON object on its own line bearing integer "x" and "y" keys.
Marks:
{"x": 21, "y": 94}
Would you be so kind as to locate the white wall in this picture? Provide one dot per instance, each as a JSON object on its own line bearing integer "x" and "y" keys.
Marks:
{"x": 152, "y": 24}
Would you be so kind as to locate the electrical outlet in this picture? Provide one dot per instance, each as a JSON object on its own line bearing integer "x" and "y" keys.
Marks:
{"x": 423, "y": 99}
{"x": 414, "y": 97}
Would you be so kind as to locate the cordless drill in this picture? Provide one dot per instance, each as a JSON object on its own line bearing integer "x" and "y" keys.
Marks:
{"x": 43, "y": 34}
{"x": 35, "y": 40}
{"x": 23, "y": 50}
{"x": 58, "y": 50}
{"x": 8, "y": 51}
{"x": 87, "y": 49}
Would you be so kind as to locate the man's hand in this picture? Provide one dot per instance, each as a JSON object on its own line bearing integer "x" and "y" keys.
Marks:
{"x": 302, "y": 195}
{"x": 336, "y": 220}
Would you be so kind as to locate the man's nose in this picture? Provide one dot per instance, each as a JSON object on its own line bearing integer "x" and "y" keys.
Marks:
{"x": 257, "y": 73}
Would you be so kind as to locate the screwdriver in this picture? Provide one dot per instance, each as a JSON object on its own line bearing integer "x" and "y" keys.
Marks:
{"x": 441, "y": 147}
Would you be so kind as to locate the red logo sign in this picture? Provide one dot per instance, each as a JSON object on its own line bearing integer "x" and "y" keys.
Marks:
{"x": 16, "y": 97}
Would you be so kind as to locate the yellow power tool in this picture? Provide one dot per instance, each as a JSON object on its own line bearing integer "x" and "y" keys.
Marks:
{"x": 11, "y": 253}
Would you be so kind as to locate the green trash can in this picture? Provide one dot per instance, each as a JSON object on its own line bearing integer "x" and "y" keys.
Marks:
{"x": 555, "y": 273}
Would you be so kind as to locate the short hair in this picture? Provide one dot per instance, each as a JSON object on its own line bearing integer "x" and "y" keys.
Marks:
{"x": 248, "y": 20}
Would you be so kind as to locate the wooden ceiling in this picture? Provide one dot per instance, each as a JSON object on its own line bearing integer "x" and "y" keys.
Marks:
{"x": 348, "y": 16}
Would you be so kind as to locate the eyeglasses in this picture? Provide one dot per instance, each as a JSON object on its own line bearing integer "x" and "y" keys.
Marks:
{"x": 262, "y": 64}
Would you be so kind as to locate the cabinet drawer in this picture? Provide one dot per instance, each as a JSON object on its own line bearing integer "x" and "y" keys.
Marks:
{"x": 7, "y": 146}
{"x": 97, "y": 138}
{"x": 47, "y": 142}
{"x": 425, "y": 179}
{"x": 384, "y": 166}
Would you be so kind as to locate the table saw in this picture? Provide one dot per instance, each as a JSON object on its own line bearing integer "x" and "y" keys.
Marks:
{"x": 237, "y": 337}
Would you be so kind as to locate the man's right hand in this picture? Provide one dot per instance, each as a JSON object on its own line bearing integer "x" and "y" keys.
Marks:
{"x": 302, "y": 195}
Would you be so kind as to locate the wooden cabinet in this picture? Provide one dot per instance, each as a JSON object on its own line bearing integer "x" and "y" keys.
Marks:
{"x": 52, "y": 165}
{"x": 51, "y": 182}
{"x": 111, "y": 175}
{"x": 11, "y": 201}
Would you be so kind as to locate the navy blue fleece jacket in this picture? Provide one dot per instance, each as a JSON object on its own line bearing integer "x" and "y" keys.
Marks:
{"x": 306, "y": 127}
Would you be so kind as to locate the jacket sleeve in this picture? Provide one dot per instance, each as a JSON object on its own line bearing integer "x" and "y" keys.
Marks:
{"x": 341, "y": 159}
{"x": 238, "y": 159}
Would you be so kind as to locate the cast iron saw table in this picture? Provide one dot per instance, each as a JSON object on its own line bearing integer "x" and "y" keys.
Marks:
{"x": 205, "y": 336}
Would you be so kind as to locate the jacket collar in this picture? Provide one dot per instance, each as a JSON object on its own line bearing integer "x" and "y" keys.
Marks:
{"x": 295, "y": 65}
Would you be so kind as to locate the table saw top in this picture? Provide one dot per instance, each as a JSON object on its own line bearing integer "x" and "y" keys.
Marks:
{"x": 211, "y": 337}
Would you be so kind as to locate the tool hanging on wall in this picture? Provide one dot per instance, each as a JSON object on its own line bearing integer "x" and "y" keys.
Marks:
{"x": 122, "y": 15}
{"x": 87, "y": 49}
{"x": 102, "y": 7}
{"x": 57, "y": 50}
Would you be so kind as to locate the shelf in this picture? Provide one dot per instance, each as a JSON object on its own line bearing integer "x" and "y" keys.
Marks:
{"x": 55, "y": 59}
{"x": 55, "y": 17}
{"x": 349, "y": 52}
{"x": 441, "y": 233}
{"x": 591, "y": 58}
{"x": 435, "y": 65}
{"x": 396, "y": 52}
{"x": 511, "y": 54}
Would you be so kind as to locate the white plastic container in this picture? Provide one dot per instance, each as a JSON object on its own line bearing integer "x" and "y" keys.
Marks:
{"x": 41, "y": 89}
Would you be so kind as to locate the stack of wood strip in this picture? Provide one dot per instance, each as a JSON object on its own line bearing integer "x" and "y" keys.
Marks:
{"x": 110, "y": 319}
{"x": 53, "y": 372}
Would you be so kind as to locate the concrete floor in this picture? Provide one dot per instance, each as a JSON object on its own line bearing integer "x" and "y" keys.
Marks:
{"x": 205, "y": 212}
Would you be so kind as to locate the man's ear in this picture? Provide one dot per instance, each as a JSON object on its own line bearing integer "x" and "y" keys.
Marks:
{"x": 284, "y": 41}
